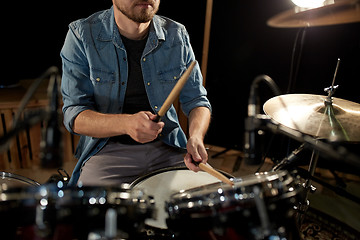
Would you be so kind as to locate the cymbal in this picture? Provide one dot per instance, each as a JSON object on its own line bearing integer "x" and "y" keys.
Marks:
{"x": 340, "y": 12}
{"x": 339, "y": 121}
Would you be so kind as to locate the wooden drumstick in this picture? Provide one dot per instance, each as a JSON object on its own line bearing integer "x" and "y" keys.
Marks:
{"x": 209, "y": 169}
{"x": 174, "y": 92}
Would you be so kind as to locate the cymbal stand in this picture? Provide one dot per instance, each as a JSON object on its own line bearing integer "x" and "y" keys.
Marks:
{"x": 304, "y": 203}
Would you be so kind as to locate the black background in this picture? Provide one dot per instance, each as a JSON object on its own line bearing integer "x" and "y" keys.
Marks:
{"x": 242, "y": 47}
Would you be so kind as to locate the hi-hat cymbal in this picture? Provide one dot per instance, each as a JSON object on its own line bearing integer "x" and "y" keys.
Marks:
{"x": 339, "y": 121}
{"x": 340, "y": 12}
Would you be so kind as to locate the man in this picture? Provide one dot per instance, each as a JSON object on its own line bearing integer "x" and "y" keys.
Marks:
{"x": 119, "y": 66}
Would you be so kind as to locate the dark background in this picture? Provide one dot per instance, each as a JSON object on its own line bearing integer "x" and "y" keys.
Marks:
{"x": 242, "y": 47}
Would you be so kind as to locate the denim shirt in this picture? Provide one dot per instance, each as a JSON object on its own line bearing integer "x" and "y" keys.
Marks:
{"x": 95, "y": 76}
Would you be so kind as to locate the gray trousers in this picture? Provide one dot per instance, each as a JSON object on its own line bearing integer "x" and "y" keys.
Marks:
{"x": 120, "y": 163}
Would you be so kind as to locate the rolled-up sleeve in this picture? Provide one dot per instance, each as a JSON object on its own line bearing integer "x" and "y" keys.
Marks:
{"x": 194, "y": 93}
{"x": 76, "y": 87}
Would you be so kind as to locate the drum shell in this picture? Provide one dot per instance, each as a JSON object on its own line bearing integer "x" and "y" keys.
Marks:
{"x": 71, "y": 212}
{"x": 222, "y": 206}
{"x": 85, "y": 209}
{"x": 162, "y": 183}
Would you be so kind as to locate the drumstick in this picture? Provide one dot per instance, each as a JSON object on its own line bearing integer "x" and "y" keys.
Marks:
{"x": 209, "y": 169}
{"x": 174, "y": 92}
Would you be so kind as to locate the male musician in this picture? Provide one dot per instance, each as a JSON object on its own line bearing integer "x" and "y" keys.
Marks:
{"x": 119, "y": 65}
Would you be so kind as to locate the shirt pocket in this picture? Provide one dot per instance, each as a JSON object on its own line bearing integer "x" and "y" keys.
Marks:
{"x": 103, "y": 84}
{"x": 171, "y": 76}
{"x": 99, "y": 77}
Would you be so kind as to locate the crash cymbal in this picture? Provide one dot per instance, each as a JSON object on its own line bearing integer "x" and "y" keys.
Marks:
{"x": 336, "y": 121}
{"x": 340, "y": 12}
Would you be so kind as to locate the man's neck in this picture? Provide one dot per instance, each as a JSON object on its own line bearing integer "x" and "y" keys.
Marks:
{"x": 130, "y": 29}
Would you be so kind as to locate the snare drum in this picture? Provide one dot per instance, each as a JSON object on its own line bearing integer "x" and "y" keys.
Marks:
{"x": 256, "y": 207}
{"x": 161, "y": 184}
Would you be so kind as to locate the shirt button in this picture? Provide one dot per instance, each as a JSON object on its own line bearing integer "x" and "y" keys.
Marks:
{"x": 97, "y": 79}
{"x": 148, "y": 83}
{"x": 175, "y": 77}
{"x": 155, "y": 107}
{"x": 144, "y": 59}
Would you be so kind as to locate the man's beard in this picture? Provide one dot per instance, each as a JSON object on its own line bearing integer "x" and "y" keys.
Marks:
{"x": 145, "y": 15}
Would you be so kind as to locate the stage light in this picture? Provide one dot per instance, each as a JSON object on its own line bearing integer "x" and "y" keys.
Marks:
{"x": 309, "y": 4}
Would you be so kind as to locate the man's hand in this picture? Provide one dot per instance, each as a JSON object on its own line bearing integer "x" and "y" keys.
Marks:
{"x": 195, "y": 151}
{"x": 199, "y": 120}
{"x": 139, "y": 126}
{"x": 142, "y": 128}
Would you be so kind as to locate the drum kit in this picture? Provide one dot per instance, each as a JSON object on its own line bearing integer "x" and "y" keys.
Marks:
{"x": 176, "y": 203}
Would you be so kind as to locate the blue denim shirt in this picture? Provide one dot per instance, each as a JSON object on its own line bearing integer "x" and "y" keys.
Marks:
{"x": 95, "y": 75}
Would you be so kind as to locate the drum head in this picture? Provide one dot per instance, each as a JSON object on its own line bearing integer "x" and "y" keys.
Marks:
{"x": 163, "y": 183}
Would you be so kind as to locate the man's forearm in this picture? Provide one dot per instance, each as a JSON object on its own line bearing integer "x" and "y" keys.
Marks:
{"x": 199, "y": 120}
{"x": 99, "y": 125}
{"x": 139, "y": 126}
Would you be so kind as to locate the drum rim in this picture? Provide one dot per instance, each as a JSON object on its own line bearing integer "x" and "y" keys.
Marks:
{"x": 242, "y": 183}
{"x": 19, "y": 177}
{"x": 177, "y": 206}
{"x": 167, "y": 169}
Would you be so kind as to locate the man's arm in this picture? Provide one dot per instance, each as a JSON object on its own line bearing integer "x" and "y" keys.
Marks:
{"x": 138, "y": 126}
{"x": 199, "y": 120}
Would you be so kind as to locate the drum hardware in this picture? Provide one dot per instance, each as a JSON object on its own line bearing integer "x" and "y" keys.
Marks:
{"x": 266, "y": 232}
{"x": 111, "y": 231}
{"x": 328, "y": 121}
{"x": 304, "y": 203}
{"x": 330, "y": 152}
{"x": 288, "y": 160}
{"x": 337, "y": 121}
{"x": 42, "y": 229}
{"x": 327, "y": 150}
{"x": 172, "y": 180}
{"x": 292, "y": 123}
{"x": 338, "y": 190}
{"x": 257, "y": 206}
{"x": 262, "y": 212}
{"x": 334, "y": 120}
{"x": 110, "y": 223}
{"x": 54, "y": 210}
{"x": 288, "y": 163}
{"x": 62, "y": 176}
{"x": 8, "y": 178}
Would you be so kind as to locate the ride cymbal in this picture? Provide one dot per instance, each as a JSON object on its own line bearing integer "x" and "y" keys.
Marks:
{"x": 314, "y": 115}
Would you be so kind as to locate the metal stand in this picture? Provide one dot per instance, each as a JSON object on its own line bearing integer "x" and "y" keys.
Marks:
{"x": 304, "y": 203}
